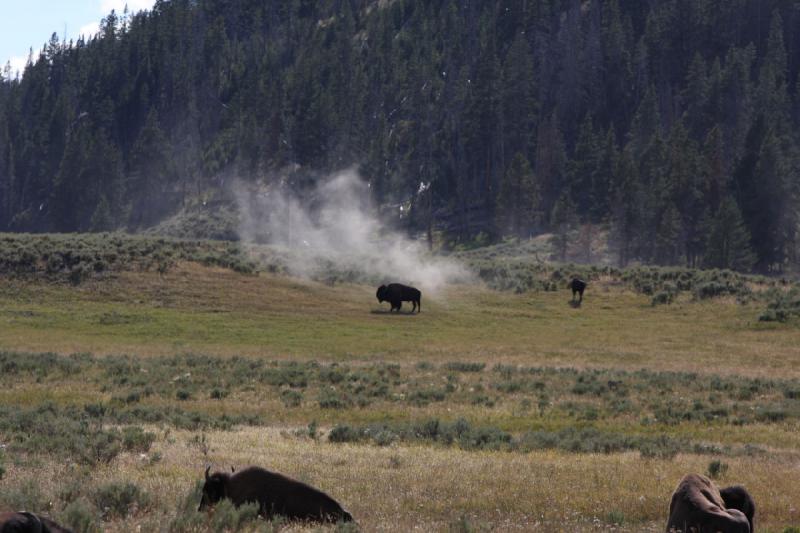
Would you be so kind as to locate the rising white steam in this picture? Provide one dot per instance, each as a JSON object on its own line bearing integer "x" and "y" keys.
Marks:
{"x": 334, "y": 227}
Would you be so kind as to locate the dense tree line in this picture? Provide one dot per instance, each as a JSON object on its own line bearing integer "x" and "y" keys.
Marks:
{"x": 673, "y": 123}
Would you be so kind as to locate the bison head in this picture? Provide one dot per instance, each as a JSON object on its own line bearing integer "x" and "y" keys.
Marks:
{"x": 214, "y": 489}
{"x": 381, "y": 294}
{"x": 737, "y": 497}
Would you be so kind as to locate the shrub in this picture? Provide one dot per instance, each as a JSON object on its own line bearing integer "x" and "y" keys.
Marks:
{"x": 218, "y": 394}
{"x": 228, "y": 517}
{"x": 423, "y": 397}
{"x": 63, "y": 432}
{"x": 291, "y": 398}
{"x": 345, "y": 433}
{"x": 465, "y": 367}
{"x": 662, "y": 298}
{"x": 75, "y": 258}
{"x": 717, "y": 468}
{"x": 81, "y": 517}
{"x": 292, "y": 374}
{"x": 100, "y": 447}
{"x": 27, "y": 496}
{"x": 341, "y": 527}
{"x": 616, "y": 518}
{"x": 330, "y": 398}
{"x": 135, "y": 439}
{"x": 782, "y": 306}
{"x": 792, "y": 393}
{"x": 187, "y": 519}
{"x": 74, "y": 487}
{"x": 119, "y": 499}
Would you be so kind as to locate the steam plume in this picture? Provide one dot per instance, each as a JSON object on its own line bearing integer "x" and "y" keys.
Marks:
{"x": 334, "y": 227}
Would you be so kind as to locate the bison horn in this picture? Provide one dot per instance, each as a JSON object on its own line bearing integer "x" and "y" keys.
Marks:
{"x": 207, "y": 470}
{"x": 233, "y": 469}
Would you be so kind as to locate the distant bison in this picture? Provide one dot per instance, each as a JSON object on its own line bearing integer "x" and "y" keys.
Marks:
{"x": 697, "y": 506}
{"x": 275, "y": 494}
{"x": 577, "y": 286}
{"x": 24, "y": 522}
{"x": 397, "y": 293}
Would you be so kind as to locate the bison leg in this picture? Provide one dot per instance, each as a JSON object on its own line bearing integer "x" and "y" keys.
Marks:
{"x": 413, "y": 305}
{"x": 419, "y": 306}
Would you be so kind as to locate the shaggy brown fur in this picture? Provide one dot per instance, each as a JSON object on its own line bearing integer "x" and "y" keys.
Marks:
{"x": 698, "y": 507}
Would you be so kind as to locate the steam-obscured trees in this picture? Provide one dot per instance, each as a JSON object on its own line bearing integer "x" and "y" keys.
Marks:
{"x": 653, "y": 119}
{"x": 519, "y": 199}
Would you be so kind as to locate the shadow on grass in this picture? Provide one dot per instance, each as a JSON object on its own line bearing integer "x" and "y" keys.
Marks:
{"x": 387, "y": 312}
{"x": 575, "y": 304}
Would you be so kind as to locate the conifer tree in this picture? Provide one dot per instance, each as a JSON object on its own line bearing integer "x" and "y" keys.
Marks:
{"x": 729, "y": 241}
{"x": 582, "y": 166}
{"x": 626, "y": 208}
{"x": 563, "y": 220}
{"x": 518, "y": 200}
{"x": 518, "y": 97}
{"x": 668, "y": 237}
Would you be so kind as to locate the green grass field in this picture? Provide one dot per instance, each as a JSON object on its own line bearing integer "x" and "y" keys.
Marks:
{"x": 488, "y": 411}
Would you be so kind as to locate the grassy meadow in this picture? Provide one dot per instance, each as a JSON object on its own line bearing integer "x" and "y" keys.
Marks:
{"x": 501, "y": 410}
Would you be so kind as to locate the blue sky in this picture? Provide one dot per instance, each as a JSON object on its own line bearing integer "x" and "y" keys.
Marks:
{"x": 30, "y": 23}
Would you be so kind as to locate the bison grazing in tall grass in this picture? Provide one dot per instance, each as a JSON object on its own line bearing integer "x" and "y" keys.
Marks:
{"x": 275, "y": 494}
{"x": 397, "y": 293}
{"x": 698, "y": 506}
{"x": 24, "y": 522}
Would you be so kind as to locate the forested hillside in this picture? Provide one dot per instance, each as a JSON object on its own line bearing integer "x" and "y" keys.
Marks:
{"x": 674, "y": 123}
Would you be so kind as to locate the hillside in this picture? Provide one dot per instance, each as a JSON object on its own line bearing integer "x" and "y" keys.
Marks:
{"x": 673, "y": 124}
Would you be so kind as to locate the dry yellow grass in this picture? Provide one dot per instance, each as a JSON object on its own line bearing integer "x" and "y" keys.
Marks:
{"x": 214, "y": 311}
{"x": 410, "y": 488}
{"x": 401, "y": 487}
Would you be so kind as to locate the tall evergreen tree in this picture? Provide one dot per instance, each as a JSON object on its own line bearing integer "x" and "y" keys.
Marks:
{"x": 518, "y": 200}
{"x": 626, "y": 208}
{"x": 729, "y": 241}
{"x": 564, "y": 220}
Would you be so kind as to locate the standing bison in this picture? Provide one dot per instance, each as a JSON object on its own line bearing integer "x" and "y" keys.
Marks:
{"x": 24, "y": 522}
{"x": 397, "y": 293}
{"x": 577, "y": 286}
{"x": 698, "y": 506}
{"x": 275, "y": 494}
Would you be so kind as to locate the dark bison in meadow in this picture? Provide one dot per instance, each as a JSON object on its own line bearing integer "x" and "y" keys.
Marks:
{"x": 397, "y": 293}
{"x": 276, "y": 495}
{"x": 698, "y": 506}
{"x": 577, "y": 286}
{"x": 24, "y": 522}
